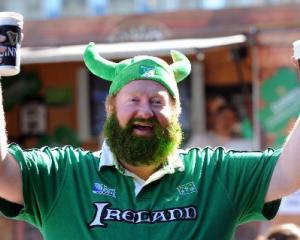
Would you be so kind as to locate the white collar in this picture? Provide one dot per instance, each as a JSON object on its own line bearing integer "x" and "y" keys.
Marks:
{"x": 173, "y": 163}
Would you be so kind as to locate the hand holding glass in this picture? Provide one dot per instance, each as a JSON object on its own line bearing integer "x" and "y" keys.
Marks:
{"x": 11, "y": 24}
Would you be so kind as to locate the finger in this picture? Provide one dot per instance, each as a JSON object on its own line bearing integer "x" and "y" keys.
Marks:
{"x": 2, "y": 49}
{"x": 2, "y": 38}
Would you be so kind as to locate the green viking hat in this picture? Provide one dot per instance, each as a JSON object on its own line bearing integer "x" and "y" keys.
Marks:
{"x": 138, "y": 68}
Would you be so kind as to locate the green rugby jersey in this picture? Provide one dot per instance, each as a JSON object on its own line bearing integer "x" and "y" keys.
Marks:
{"x": 204, "y": 194}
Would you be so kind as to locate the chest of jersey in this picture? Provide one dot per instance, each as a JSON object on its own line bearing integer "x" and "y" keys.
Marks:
{"x": 104, "y": 205}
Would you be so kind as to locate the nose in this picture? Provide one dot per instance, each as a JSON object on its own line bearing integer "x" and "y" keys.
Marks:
{"x": 145, "y": 111}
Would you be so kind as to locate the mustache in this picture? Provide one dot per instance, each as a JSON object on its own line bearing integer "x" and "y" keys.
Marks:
{"x": 153, "y": 121}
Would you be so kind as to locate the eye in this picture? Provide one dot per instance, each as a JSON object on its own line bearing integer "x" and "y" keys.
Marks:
{"x": 157, "y": 102}
{"x": 134, "y": 99}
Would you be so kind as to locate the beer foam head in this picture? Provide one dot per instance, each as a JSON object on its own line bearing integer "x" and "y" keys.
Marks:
{"x": 296, "y": 46}
{"x": 11, "y": 18}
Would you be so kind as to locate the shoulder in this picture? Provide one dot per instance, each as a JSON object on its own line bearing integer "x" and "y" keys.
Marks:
{"x": 200, "y": 156}
{"x": 220, "y": 155}
{"x": 49, "y": 154}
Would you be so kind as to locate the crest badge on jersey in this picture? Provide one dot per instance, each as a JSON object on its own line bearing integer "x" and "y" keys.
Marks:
{"x": 101, "y": 189}
{"x": 187, "y": 188}
{"x": 147, "y": 71}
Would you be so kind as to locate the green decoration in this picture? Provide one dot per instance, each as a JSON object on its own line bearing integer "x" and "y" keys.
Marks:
{"x": 58, "y": 95}
{"x": 19, "y": 88}
{"x": 139, "y": 67}
{"x": 62, "y": 136}
{"x": 247, "y": 131}
{"x": 280, "y": 97}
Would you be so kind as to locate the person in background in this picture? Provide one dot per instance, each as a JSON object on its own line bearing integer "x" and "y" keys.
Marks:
{"x": 285, "y": 231}
{"x": 223, "y": 127}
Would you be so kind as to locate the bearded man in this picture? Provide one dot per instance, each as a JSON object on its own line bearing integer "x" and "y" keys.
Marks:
{"x": 141, "y": 184}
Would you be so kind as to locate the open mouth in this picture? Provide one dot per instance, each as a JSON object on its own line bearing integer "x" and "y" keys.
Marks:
{"x": 143, "y": 129}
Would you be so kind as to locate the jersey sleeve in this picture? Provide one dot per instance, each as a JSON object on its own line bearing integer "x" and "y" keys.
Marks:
{"x": 246, "y": 177}
{"x": 43, "y": 172}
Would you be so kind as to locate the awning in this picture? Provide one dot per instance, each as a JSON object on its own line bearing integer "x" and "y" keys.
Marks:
{"x": 73, "y": 53}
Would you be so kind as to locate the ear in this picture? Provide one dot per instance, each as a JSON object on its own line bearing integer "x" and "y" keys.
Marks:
{"x": 110, "y": 105}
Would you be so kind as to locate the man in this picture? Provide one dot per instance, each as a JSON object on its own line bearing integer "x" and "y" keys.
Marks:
{"x": 222, "y": 132}
{"x": 140, "y": 185}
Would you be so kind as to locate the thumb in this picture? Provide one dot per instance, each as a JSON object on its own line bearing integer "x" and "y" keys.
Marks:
{"x": 2, "y": 38}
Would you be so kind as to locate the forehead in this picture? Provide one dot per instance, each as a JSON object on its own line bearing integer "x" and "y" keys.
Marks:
{"x": 143, "y": 87}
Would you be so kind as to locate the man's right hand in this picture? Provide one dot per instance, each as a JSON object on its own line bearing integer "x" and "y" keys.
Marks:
{"x": 2, "y": 48}
{"x": 10, "y": 180}
{"x": 10, "y": 174}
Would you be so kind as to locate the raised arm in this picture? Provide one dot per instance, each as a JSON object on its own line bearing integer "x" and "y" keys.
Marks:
{"x": 10, "y": 175}
{"x": 286, "y": 176}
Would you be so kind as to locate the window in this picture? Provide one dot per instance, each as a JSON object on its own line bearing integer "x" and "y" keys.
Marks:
{"x": 185, "y": 98}
{"x": 98, "y": 92}
{"x": 38, "y": 9}
{"x": 213, "y": 4}
{"x": 33, "y": 8}
{"x": 146, "y": 6}
{"x": 52, "y": 9}
{"x": 74, "y": 7}
{"x": 97, "y": 7}
{"x": 121, "y": 6}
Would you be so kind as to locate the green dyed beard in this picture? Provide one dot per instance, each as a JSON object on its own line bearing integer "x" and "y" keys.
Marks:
{"x": 142, "y": 151}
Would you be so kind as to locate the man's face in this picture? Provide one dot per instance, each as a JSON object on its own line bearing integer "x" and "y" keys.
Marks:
{"x": 143, "y": 99}
{"x": 226, "y": 119}
{"x": 143, "y": 129}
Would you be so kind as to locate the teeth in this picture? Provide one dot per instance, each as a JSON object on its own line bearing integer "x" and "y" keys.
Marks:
{"x": 143, "y": 124}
